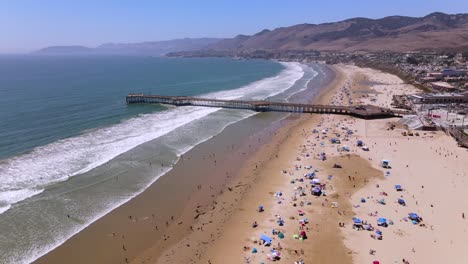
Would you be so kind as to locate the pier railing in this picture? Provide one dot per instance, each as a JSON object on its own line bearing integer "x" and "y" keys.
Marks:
{"x": 362, "y": 111}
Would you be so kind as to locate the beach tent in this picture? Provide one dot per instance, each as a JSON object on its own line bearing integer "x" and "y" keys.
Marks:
{"x": 280, "y": 235}
{"x": 414, "y": 217}
{"x": 316, "y": 191}
{"x": 357, "y": 223}
{"x": 359, "y": 143}
{"x": 280, "y": 222}
{"x": 333, "y": 140}
{"x": 315, "y": 181}
{"x": 266, "y": 239}
{"x": 382, "y": 222}
{"x": 401, "y": 201}
{"x": 385, "y": 163}
{"x": 398, "y": 188}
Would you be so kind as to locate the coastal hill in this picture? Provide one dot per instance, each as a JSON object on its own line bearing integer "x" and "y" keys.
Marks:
{"x": 393, "y": 33}
{"x": 155, "y": 48}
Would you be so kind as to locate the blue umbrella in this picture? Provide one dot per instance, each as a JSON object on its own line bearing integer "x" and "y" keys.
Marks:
{"x": 266, "y": 239}
{"x": 381, "y": 220}
{"x": 413, "y": 216}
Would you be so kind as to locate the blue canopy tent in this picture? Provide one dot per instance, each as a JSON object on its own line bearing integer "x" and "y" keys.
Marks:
{"x": 385, "y": 163}
{"x": 266, "y": 239}
{"x": 414, "y": 217}
{"x": 316, "y": 191}
{"x": 401, "y": 201}
{"x": 381, "y": 220}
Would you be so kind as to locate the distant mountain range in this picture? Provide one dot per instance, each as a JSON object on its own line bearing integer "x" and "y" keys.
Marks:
{"x": 393, "y": 33}
{"x": 436, "y": 31}
{"x": 155, "y": 48}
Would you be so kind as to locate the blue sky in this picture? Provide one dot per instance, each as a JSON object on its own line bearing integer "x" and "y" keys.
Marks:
{"x": 26, "y": 25}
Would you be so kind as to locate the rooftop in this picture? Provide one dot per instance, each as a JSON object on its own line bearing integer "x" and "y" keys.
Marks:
{"x": 444, "y": 84}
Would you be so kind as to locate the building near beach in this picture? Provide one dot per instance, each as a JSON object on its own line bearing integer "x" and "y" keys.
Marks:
{"x": 454, "y": 72}
{"x": 439, "y": 98}
{"x": 442, "y": 86}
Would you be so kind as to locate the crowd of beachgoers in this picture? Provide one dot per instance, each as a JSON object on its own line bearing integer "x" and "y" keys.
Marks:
{"x": 334, "y": 189}
{"x": 378, "y": 215}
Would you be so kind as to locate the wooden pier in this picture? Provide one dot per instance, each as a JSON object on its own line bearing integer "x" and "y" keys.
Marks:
{"x": 362, "y": 111}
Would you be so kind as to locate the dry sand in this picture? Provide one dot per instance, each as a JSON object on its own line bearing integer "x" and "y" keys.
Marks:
{"x": 430, "y": 167}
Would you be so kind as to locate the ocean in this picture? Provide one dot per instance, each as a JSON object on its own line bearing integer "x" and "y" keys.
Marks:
{"x": 68, "y": 140}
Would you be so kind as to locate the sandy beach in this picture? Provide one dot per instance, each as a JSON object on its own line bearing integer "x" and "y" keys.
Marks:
{"x": 429, "y": 167}
{"x": 278, "y": 170}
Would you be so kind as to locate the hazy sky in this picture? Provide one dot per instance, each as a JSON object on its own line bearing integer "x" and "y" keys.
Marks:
{"x": 26, "y": 25}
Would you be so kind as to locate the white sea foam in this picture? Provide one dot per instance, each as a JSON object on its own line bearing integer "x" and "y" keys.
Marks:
{"x": 60, "y": 160}
{"x": 27, "y": 175}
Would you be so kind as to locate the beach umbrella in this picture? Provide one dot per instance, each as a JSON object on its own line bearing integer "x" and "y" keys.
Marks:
{"x": 266, "y": 239}
{"x": 398, "y": 187}
{"x": 381, "y": 220}
{"x": 375, "y": 262}
{"x": 413, "y": 216}
{"x": 357, "y": 220}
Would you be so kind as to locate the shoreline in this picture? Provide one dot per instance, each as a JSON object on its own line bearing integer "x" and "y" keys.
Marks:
{"x": 214, "y": 226}
{"x": 149, "y": 219}
{"x": 211, "y": 227}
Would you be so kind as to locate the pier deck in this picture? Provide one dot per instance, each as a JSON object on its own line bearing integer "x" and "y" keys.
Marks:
{"x": 361, "y": 111}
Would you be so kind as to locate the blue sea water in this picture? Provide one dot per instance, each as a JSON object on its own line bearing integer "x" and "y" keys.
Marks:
{"x": 63, "y": 119}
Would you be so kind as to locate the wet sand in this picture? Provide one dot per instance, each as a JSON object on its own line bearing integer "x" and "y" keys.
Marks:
{"x": 220, "y": 236}
{"x": 166, "y": 212}
{"x": 214, "y": 208}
